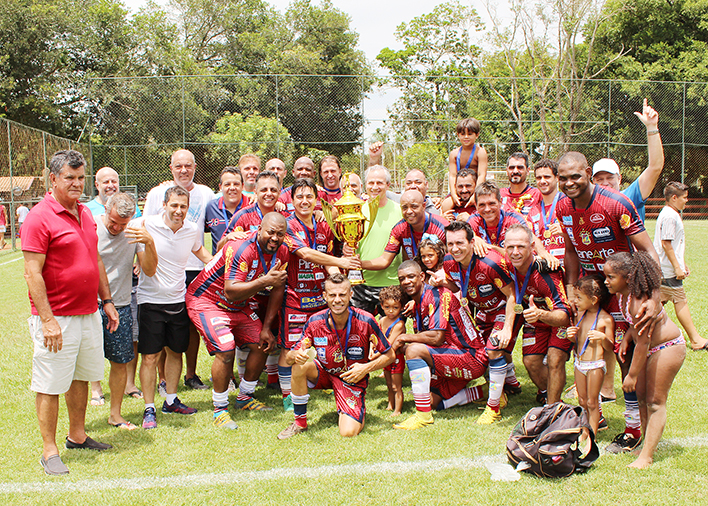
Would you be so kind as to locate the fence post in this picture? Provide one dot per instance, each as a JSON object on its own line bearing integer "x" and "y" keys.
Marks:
{"x": 184, "y": 132}
{"x": 125, "y": 164}
{"x": 609, "y": 117}
{"x": 683, "y": 135}
{"x": 361, "y": 135}
{"x": 277, "y": 116}
{"x": 12, "y": 189}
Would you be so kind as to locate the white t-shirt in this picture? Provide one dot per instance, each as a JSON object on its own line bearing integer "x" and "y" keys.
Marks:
{"x": 117, "y": 255}
{"x": 173, "y": 251}
{"x": 22, "y": 213}
{"x": 669, "y": 227}
{"x": 199, "y": 197}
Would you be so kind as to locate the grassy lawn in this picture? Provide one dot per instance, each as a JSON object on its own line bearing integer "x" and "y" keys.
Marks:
{"x": 440, "y": 464}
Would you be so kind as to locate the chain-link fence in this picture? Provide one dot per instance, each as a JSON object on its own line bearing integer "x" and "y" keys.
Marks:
{"x": 136, "y": 123}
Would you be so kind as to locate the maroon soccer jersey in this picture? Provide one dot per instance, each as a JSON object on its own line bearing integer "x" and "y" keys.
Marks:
{"x": 548, "y": 291}
{"x": 305, "y": 279}
{"x": 403, "y": 234}
{"x": 286, "y": 197}
{"x": 520, "y": 202}
{"x": 209, "y": 283}
{"x": 329, "y": 196}
{"x": 485, "y": 279}
{"x": 540, "y": 216}
{"x": 495, "y": 235}
{"x": 339, "y": 349}
{"x": 439, "y": 309}
{"x": 249, "y": 263}
{"x": 470, "y": 208}
{"x": 600, "y": 230}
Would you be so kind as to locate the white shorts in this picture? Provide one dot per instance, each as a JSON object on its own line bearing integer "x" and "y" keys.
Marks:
{"x": 80, "y": 358}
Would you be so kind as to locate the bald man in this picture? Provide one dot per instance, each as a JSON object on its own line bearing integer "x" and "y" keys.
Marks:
{"x": 183, "y": 168}
{"x": 278, "y": 166}
{"x": 407, "y": 233}
{"x": 106, "y": 185}
{"x": 415, "y": 180}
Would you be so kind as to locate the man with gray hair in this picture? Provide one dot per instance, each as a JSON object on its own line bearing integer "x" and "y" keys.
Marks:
{"x": 366, "y": 296}
{"x": 64, "y": 274}
{"x": 118, "y": 248}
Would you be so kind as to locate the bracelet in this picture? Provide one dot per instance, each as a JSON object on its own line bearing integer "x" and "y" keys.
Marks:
{"x": 107, "y": 301}
{"x": 652, "y": 132}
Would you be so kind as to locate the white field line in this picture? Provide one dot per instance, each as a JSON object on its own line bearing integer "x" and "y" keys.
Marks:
{"x": 10, "y": 261}
{"x": 196, "y": 480}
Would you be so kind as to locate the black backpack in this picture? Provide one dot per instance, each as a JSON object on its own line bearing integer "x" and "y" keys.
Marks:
{"x": 547, "y": 439}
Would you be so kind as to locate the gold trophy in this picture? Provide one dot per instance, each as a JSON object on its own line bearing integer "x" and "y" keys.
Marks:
{"x": 348, "y": 226}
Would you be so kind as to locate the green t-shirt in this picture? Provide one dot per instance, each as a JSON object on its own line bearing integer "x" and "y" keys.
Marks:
{"x": 376, "y": 241}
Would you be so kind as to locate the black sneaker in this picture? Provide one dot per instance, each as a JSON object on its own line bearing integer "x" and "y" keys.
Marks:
{"x": 195, "y": 383}
{"x": 542, "y": 398}
{"x": 623, "y": 443}
{"x": 602, "y": 425}
{"x": 512, "y": 389}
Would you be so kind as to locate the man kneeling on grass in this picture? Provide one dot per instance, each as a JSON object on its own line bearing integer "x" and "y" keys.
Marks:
{"x": 340, "y": 336}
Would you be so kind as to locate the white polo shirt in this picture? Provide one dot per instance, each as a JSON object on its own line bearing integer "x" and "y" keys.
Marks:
{"x": 173, "y": 251}
{"x": 199, "y": 197}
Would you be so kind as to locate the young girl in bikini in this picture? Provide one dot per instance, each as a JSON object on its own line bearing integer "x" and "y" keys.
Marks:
{"x": 657, "y": 358}
{"x": 593, "y": 332}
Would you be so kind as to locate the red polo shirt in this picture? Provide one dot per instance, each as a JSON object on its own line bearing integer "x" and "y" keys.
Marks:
{"x": 70, "y": 269}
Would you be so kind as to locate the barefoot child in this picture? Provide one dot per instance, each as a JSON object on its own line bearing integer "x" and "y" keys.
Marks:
{"x": 657, "y": 358}
{"x": 468, "y": 156}
{"x": 592, "y": 333}
{"x": 431, "y": 253}
{"x": 392, "y": 325}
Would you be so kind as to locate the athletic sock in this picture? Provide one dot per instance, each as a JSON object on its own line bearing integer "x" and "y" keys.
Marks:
{"x": 511, "y": 375}
{"x": 497, "y": 375}
{"x": 220, "y": 400}
{"x": 241, "y": 356}
{"x": 171, "y": 399}
{"x": 420, "y": 384}
{"x": 464, "y": 396}
{"x": 272, "y": 368}
{"x": 300, "y": 409}
{"x": 150, "y": 405}
{"x": 246, "y": 389}
{"x": 285, "y": 376}
{"x": 632, "y": 421}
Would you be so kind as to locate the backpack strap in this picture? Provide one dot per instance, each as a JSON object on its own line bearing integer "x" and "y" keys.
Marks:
{"x": 583, "y": 464}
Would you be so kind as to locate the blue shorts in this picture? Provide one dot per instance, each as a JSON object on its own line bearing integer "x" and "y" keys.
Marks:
{"x": 118, "y": 345}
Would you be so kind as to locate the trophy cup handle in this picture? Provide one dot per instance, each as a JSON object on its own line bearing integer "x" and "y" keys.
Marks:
{"x": 327, "y": 211}
{"x": 373, "y": 211}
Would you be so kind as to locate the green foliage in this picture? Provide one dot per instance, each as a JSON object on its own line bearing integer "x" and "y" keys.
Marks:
{"x": 235, "y": 135}
{"x": 431, "y": 159}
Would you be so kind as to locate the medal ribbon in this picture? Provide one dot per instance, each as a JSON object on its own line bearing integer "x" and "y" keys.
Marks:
{"x": 465, "y": 278}
{"x": 587, "y": 341}
{"x": 499, "y": 228}
{"x": 520, "y": 293}
{"x": 469, "y": 162}
{"x": 313, "y": 243}
{"x": 262, "y": 258}
{"x": 425, "y": 229}
{"x": 346, "y": 334}
{"x": 547, "y": 222}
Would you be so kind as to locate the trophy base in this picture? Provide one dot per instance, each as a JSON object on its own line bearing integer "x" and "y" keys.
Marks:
{"x": 356, "y": 277}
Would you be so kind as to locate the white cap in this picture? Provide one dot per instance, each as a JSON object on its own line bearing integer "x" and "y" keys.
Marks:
{"x": 605, "y": 165}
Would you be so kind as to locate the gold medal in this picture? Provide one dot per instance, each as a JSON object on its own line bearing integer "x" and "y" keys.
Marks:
{"x": 518, "y": 308}
{"x": 547, "y": 234}
{"x": 463, "y": 301}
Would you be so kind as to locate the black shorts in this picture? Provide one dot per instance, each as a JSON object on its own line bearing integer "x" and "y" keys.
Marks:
{"x": 367, "y": 298}
{"x": 163, "y": 325}
{"x": 190, "y": 276}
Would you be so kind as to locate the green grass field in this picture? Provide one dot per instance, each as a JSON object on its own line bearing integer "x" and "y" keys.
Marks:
{"x": 187, "y": 461}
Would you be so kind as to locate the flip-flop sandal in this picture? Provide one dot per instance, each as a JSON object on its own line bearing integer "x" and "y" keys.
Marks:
{"x": 704, "y": 347}
{"x": 98, "y": 401}
{"x": 135, "y": 394}
{"x": 124, "y": 425}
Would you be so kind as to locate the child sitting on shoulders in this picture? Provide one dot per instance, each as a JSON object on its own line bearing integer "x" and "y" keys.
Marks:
{"x": 593, "y": 333}
{"x": 468, "y": 156}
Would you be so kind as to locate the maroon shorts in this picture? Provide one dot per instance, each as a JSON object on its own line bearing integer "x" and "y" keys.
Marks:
{"x": 223, "y": 330}
{"x": 621, "y": 325}
{"x": 398, "y": 365}
{"x": 457, "y": 364}
{"x": 494, "y": 322}
{"x": 537, "y": 340}
{"x": 350, "y": 399}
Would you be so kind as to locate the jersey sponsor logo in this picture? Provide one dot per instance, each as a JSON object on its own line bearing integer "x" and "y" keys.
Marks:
{"x": 585, "y": 237}
{"x": 322, "y": 248}
{"x": 305, "y": 276}
{"x": 595, "y": 254}
{"x": 321, "y": 354}
{"x": 297, "y": 318}
{"x": 625, "y": 221}
{"x": 293, "y": 338}
{"x": 243, "y": 267}
{"x": 311, "y": 302}
{"x": 617, "y": 316}
{"x": 596, "y": 218}
{"x": 253, "y": 228}
{"x": 603, "y": 234}
{"x": 392, "y": 240}
{"x": 485, "y": 290}
{"x": 567, "y": 221}
{"x": 479, "y": 276}
{"x": 407, "y": 241}
{"x": 303, "y": 265}
{"x": 535, "y": 217}
{"x": 587, "y": 267}
{"x": 356, "y": 353}
{"x": 320, "y": 341}
{"x": 319, "y": 276}
{"x": 254, "y": 263}
{"x": 455, "y": 276}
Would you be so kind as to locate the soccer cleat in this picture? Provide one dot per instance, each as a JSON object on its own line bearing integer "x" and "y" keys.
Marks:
{"x": 512, "y": 389}
{"x": 489, "y": 417}
{"x": 252, "y": 405}
{"x": 292, "y": 430}
{"x": 602, "y": 425}
{"x": 420, "y": 419}
{"x": 149, "y": 419}
{"x": 223, "y": 420}
{"x": 623, "y": 443}
{"x": 503, "y": 401}
{"x": 542, "y": 398}
{"x": 288, "y": 403}
{"x": 177, "y": 408}
{"x": 162, "y": 389}
{"x": 195, "y": 383}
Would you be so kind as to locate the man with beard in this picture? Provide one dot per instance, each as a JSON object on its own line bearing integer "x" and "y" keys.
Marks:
{"x": 542, "y": 216}
{"x": 519, "y": 197}
{"x": 465, "y": 185}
